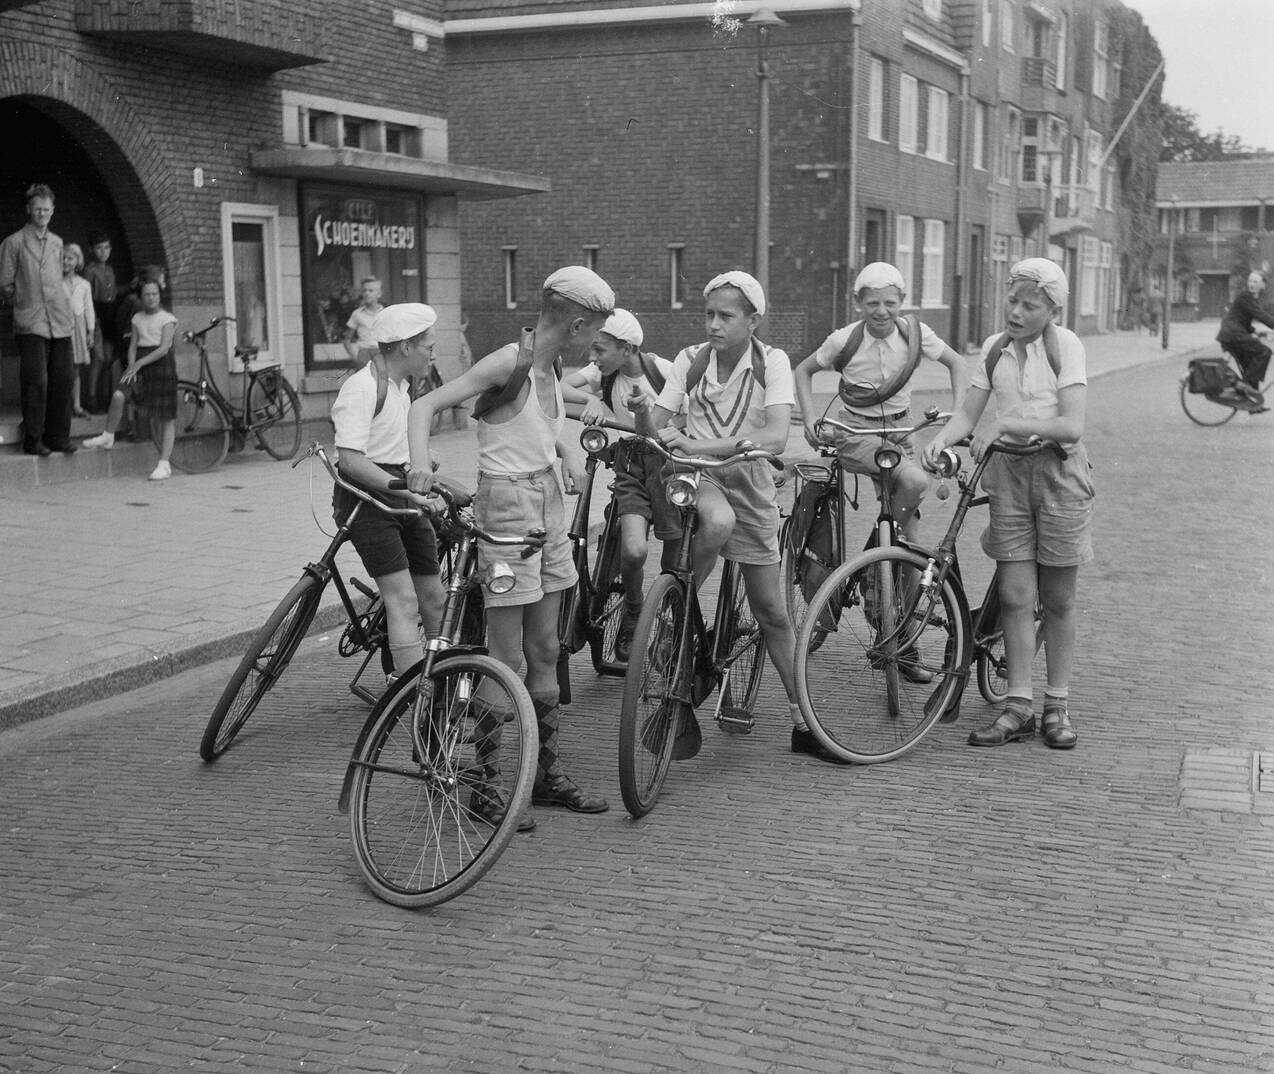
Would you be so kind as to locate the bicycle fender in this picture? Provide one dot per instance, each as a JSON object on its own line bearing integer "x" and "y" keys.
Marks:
{"x": 952, "y": 712}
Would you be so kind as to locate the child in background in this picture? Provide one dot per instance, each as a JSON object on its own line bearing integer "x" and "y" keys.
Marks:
{"x": 101, "y": 278}
{"x": 80, "y": 295}
{"x": 1041, "y": 506}
{"x": 358, "y": 329}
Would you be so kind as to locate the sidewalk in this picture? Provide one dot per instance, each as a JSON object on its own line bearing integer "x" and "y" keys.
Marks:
{"x": 113, "y": 583}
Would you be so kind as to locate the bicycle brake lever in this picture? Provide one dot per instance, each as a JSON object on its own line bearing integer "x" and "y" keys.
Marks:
{"x": 538, "y": 537}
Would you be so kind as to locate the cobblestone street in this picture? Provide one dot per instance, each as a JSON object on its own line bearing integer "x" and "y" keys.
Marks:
{"x": 1107, "y": 909}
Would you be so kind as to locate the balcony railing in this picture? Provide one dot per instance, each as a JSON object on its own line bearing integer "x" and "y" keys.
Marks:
{"x": 1039, "y": 71}
{"x": 269, "y": 35}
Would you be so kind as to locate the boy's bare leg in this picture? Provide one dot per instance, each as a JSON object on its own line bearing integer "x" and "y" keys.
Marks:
{"x": 765, "y": 597}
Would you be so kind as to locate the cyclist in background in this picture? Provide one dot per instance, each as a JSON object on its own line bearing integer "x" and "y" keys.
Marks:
{"x": 1236, "y": 337}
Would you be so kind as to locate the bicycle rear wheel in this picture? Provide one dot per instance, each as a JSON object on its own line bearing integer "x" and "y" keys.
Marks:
{"x": 607, "y": 605}
{"x": 843, "y": 685}
{"x": 431, "y": 812}
{"x": 988, "y": 642}
{"x": 1204, "y": 409}
{"x": 274, "y": 412}
{"x": 202, "y": 434}
{"x": 793, "y": 593}
{"x": 649, "y": 713}
{"x": 268, "y": 656}
{"x": 743, "y": 659}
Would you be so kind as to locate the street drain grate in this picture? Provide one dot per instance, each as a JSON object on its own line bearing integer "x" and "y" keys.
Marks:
{"x": 1263, "y": 773}
{"x": 1228, "y": 781}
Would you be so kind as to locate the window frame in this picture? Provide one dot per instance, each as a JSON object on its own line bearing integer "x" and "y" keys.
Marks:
{"x": 938, "y": 124}
{"x": 509, "y": 256}
{"x": 905, "y": 252}
{"x": 1008, "y": 26}
{"x": 676, "y": 275}
{"x": 234, "y": 212}
{"x": 876, "y": 99}
{"x": 908, "y": 113}
{"x": 933, "y": 263}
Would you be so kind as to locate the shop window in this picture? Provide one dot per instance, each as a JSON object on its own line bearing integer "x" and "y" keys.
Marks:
{"x": 249, "y": 238}
{"x": 510, "y": 277}
{"x": 676, "y": 276}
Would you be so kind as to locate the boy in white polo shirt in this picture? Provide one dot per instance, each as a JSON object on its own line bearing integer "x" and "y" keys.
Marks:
{"x": 743, "y": 393}
{"x": 370, "y": 415}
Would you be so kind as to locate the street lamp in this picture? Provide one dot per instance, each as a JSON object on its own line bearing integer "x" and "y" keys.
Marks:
{"x": 764, "y": 20}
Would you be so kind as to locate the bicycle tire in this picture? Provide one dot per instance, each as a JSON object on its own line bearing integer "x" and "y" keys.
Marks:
{"x": 268, "y": 656}
{"x": 274, "y": 412}
{"x": 649, "y": 714}
{"x": 793, "y": 594}
{"x": 606, "y": 607}
{"x": 990, "y": 662}
{"x": 744, "y": 658}
{"x": 886, "y": 583}
{"x": 1202, "y": 409}
{"x": 202, "y": 433}
{"x": 840, "y": 684}
{"x": 418, "y": 839}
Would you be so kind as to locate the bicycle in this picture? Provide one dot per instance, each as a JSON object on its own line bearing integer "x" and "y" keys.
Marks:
{"x": 1212, "y": 391}
{"x": 676, "y": 660}
{"x": 425, "y": 788}
{"x": 897, "y": 638}
{"x": 272, "y": 647}
{"x": 269, "y": 411}
{"x": 591, "y": 610}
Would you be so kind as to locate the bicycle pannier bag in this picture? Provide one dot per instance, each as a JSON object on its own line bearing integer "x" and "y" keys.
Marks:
{"x": 1208, "y": 376}
{"x": 811, "y": 532}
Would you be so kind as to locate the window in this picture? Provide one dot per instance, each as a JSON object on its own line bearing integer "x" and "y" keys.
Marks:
{"x": 353, "y": 133}
{"x": 1101, "y": 59}
{"x": 249, "y": 238}
{"x": 1091, "y": 257}
{"x": 1063, "y": 28}
{"x": 988, "y": 16}
{"x": 933, "y": 262}
{"x": 1108, "y": 186}
{"x": 876, "y": 99}
{"x": 1030, "y": 169}
{"x": 676, "y": 276}
{"x": 1008, "y": 27}
{"x": 938, "y": 124}
{"x": 1250, "y": 217}
{"x": 309, "y": 119}
{"x": 1015, "y": 249}
{"x": 908, "y": 113}
{"x": 510, "y": 277}
{"x": 1094, "y": 161}
{"x": 932, "y": 9}
{"x": 979, "y": 135}
{"x": 1008, "y": 145}
{"x": 590, "y": 256}
{"x": 904, "y": 254}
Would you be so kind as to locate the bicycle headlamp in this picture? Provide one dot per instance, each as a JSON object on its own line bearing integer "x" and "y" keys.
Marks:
{"x": 500, "y": 577}
{"x": 683, "y": 490}
{"x": 594, "y": 439}
{"x": 888, "y": 458}
{"x": 947, "y": 464}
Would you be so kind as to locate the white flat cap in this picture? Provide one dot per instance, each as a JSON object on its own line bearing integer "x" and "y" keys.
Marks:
{"x": 1046, "y": 275}
{"x": 749, "y": 285}
{"x": 404, "y": 321}
{"x": 880, "y": 274}
{"x": 624, "y": 327}
{"x": 583, "y": 287}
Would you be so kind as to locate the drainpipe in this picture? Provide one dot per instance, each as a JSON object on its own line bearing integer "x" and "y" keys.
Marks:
{"x": 961, "y": 212}
{"x": 851, "y": 197}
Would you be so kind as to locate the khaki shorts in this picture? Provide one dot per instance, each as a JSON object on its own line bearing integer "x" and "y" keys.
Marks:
{"x": 750, "y": 492}
{"x": 858, "y": 453}
{"x": 511, "y": 506}
{"x": 1041, "y": 508}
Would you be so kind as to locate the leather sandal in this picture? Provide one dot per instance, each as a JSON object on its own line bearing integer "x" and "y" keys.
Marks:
{"x": 488, "y": 803}
{"x": 560, "y": 790}
{"x": 1056, "y": 726}
{"x": 1016, "y": 723}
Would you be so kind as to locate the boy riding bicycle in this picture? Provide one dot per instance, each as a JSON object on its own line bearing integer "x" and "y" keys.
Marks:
{"x": 1237, "y": 338}
{"x": 738, "y": 388}
{"x": 370, "y": 415}
{"x": 621, "y": 376}
{"x": 1041, "y": 506}
{"x": 520, "y": 415}
{"x": 877, "y": 356}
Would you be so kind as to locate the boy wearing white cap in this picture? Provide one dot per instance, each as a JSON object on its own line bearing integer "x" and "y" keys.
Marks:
{"x": 621, "y": 376}
{"x": 737, "y": 388}
{"x": 521, "y": 415}
{"x": 1041, "y": 506}
{"x": 370, "y": 415}
{"x": 877, "y": 356}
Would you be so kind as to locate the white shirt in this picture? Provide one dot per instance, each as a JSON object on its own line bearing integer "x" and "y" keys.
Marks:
{"x": 625, "y": 385}
{"x": 1028, "y": 389}
{"x": 877, "y": 361}
{"x": 712, "y": 410}
{"x": 382, "y": 438}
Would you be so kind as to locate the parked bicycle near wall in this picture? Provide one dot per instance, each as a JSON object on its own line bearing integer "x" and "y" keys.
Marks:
{"x": 884, "y": 650}
{"x": 268, "y": 413}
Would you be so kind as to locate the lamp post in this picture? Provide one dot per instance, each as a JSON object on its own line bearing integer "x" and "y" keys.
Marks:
{"x": 764, "y": 20}
{"x": 1168, "y": 278}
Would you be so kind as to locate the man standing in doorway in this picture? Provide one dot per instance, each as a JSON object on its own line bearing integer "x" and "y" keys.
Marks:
{"x": 31, "y": 280}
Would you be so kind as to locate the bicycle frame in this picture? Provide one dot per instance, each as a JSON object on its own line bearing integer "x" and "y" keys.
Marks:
{"x": 240, "y": 426}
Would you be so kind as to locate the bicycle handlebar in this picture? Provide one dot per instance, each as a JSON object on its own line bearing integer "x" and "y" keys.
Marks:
{"x": 575, "y": 410}
{"x": 316, "y": 451}
{"x": 1032, "y": 447}
{"x": 457, "y": 499}
{"x": 934, "y": 418}
{"x": 191, "y": 337}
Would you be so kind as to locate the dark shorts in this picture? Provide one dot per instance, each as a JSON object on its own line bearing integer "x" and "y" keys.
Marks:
{"x": 155, "y": 388}
{"x": 385, "y": 543}
{"x": 639, "y": 489}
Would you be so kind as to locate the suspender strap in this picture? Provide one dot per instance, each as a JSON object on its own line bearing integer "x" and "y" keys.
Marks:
{"x": 1050, "y": 352}
{"x": 494, "y": 397}
{"x": 862, "y": 395}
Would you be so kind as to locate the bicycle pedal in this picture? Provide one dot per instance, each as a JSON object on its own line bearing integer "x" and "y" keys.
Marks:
{"x": 734, "y": 721}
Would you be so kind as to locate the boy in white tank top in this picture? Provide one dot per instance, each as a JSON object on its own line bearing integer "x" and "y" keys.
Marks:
{"x": 519, "y": 441}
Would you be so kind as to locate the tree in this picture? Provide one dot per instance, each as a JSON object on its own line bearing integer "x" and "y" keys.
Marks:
{"x": 1185, "y": 143}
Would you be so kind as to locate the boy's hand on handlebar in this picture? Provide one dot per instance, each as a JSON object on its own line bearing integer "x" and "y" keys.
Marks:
{"x": 812, "y": 436}
{"x": 593, "y": 412}
{"x": 675, "y": 440}
{"x": 419, "y": 481}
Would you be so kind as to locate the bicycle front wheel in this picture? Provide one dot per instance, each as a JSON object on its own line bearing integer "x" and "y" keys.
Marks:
{"x": 650, "y": 712}
{"x": 1203, "y": 409}
{"x": 202, "y": 433}
{"x": 441, "y": 780}
{"x": 988, "y": 643}
{"x": 607, "y": 604}
{"x": 743, "y": 659}
{"x": 268, "y": 655}
{"x": 843, "y": 683}
{"x": 274, "y": 412}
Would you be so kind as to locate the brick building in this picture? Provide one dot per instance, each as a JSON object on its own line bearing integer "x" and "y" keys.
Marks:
{"x": 948, "y": 136}
{"x": 1222, "y": 215}
{"x": 269, "y": 153}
